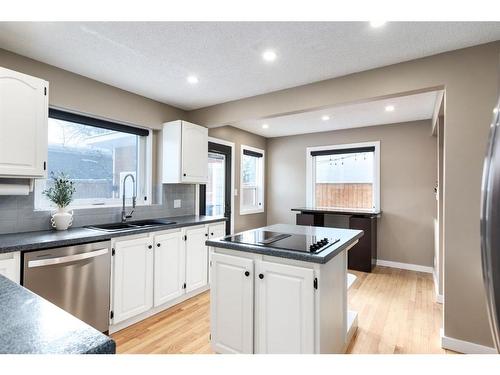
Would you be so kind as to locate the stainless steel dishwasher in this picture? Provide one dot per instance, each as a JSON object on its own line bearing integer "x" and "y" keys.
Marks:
{"x": 75, "y": 278}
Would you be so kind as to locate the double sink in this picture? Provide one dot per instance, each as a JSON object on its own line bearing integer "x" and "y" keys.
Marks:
{"x": 133, "y": 225}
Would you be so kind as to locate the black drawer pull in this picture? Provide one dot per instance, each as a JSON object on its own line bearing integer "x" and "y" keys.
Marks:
{"x": 247, "y": 273}
{"x": 158, "y": 244}
{"x": 261, "y": 276}
{"x": 150, "y": 246}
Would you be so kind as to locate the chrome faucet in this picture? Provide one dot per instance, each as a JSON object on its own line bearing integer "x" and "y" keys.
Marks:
{"x": 124, "y": 213}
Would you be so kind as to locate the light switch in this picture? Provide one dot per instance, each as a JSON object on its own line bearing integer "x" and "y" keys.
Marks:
{"x": 177, "y": 203}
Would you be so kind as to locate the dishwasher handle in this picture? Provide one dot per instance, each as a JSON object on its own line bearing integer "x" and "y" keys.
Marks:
{"x": 66, "y": 259}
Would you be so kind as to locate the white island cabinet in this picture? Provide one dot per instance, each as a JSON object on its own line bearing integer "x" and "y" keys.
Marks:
{"x": 23, "y": 125}
{"x": 264, "y": 303}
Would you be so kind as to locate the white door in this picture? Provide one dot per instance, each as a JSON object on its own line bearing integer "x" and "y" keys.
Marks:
{"x": 133, "y": 278}
{"x": 196, "y": 258}
{"x": 231, "y": 303}
{"x": 23, "y": 124}
{"x": 284, "y": 309}
{"x": 169, "y": 265}
{"x": 194, "y": 153}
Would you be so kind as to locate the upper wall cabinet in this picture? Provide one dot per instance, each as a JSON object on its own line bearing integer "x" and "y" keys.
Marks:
{"x": 185, "y": 153}
{"x": 23, "y": 125}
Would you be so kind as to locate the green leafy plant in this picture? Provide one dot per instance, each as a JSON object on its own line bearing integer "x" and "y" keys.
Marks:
{"x": 61, "y": 193}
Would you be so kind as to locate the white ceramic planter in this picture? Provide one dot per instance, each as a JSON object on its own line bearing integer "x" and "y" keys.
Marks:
{"x": 62, "y": 218}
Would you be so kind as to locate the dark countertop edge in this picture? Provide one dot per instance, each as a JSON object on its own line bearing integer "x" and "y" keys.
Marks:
{"x": 104, "y": 344}
{"x": 336, "y": 212}
{"x": 296, "y": 255}
{"x": 96, "y": 235}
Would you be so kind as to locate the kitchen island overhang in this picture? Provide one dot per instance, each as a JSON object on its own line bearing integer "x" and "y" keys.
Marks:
{"x": 269, "y": 300}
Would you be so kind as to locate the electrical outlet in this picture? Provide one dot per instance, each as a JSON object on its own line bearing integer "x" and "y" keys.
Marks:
{"x": 177, "y": 203}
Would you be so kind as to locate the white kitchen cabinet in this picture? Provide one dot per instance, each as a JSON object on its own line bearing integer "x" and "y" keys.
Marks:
{"x": 232, "y": 304}
{"x": 216, "y": 230}
{"x": 10, "y": 266}
{"x": 23, "y": 125}
{"x": 169, "y": 266}
{"x": 132, "y": 277}
{"x": 184, "y": 153}
{"x": 284, "y": 308}
{"x": 196, "y": 258}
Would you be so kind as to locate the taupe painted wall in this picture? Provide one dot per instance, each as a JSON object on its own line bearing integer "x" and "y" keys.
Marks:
{"x": 470, "y": 77}
{"x": 77, "y": 93}
{"x": 408, "y": 172}
{"x": 240, "y": 137}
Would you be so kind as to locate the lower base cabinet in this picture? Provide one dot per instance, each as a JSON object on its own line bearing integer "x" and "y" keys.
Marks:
{"x": 154, "y": 271}
{"x": 10, "y": 266}
{"x": 284, "y": 309}
{"x": 231, "y": 296}
{"x": 276, "y": 302}
{"x": 132, "y": 277}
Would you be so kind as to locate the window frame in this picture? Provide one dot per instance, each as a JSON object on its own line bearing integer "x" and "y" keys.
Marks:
{"x": 261, "y": 172}
{"x": 311, "y": 174}
{"x": 144, "y": 170}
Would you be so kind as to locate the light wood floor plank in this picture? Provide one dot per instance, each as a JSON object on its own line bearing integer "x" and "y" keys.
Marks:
{"x": 397, "y": 314}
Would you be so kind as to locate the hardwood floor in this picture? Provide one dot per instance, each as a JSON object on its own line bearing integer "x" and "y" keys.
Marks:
{"x": 397, "y": 314}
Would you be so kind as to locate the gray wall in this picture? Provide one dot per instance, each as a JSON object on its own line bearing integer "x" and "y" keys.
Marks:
{"x": 408, "y": 172}
{"x": 470, "y": 77}
{"x": 241, "y": 137}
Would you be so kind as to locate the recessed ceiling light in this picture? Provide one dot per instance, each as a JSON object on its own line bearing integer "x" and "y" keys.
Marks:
{"x": 265, "y": 126}
{"x": 192, "y": 80}
{"x": 377, "y": 23}
{"x": 325, "y": 118}
{"x": 269, "y": 55}
{"x": 389, "y": 108}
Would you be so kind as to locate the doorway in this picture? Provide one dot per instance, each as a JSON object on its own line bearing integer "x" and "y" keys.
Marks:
{"x": 215, "y": 196}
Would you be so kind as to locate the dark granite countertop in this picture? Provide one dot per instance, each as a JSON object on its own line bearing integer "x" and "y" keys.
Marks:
{"x": 337, "y": 211}
{"x": 347, "y": 238}
{"x": 51, "y": 238}
{"x": 31, "y": 325}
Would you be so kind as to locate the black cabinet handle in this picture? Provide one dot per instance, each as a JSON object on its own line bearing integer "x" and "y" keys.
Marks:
{"x": 150, "y": 246}
{"x": 261, "y": 276}
{"x": 211, "y": 234}
{"x": 247, "y": 273}
{"x": 206, "y": 234}
{"x": 184, "y": 174}
{"x": 158, "y": 244}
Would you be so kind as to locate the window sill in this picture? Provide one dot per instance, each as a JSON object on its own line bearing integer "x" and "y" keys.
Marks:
{"x": 96, "y": 206}
{"x": 251, "y": 211}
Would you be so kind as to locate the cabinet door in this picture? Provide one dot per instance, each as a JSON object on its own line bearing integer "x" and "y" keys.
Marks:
{"x": 217, "y": 230}
{"x": 194, "y": 153}
{"x": 284, "y": 309}
{"x": 196, "y": 258}
{"x": 133, "y": 278}
{"x": 23, "y": 125}
{"x": 10, "y": 266}
{"x": 231, "y": 304}
{"x": 169, "y": 265}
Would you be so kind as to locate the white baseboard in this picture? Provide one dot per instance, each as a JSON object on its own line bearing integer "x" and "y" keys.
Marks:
{"x": 465, "y": 347}
{"x": 405, "y": 266}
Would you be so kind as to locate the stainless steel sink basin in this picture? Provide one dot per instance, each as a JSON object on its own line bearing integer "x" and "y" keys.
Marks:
{"x": 121, "y": 227}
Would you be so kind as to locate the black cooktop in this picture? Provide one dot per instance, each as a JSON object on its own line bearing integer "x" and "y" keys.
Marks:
{"x": 285, "y": 241}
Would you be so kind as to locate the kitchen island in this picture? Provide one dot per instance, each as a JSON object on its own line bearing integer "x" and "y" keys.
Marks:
{"x": 281, "y": 289}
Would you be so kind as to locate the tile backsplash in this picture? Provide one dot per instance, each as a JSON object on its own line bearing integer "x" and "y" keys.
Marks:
{"x": 17, "y": 213}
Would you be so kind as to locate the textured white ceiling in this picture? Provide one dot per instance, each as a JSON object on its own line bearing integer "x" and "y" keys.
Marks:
{"x": 406, "y": 108}
{"x": 153, "y": 59}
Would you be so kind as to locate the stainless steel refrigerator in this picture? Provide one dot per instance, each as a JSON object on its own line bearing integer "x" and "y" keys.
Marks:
{"x": 490, "y": 226}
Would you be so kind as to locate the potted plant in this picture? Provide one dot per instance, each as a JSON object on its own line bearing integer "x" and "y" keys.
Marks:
{"x": 61, "y": 194}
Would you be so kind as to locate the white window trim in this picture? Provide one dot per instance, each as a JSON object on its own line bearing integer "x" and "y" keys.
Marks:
{"x": 262, "y": 177}
{"x": 310, "y": 172}
{"x": 148, "y": 181}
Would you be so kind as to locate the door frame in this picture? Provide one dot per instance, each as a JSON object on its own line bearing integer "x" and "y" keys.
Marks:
{"x": 197, "y": 198}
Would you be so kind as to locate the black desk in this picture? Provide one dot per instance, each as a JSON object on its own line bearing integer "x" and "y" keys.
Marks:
{"x": 363, "y": 255}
